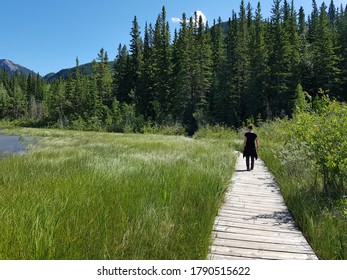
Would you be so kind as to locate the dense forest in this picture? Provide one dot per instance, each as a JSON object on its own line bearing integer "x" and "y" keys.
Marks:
{"x": 223, "y": 73}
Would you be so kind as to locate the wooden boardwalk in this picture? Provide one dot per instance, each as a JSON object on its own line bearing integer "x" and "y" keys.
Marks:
{"x": 254, "y": 222}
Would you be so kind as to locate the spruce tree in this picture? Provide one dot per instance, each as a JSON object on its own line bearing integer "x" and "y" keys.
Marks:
{"x": 228, "y": 102}
{"x": 218, "y": 72}
{"x": 325, "y": 59}
{"x": 122, "y": 83}
{"x": 259, "y": 69}
{"x": 146, "y": 96}
{"x": 242, "y": 63}
{"x": 342, "y": 51}
{"x": 163, "y": 103}
{"x": 4, "y": 102}
{"x": 136, "y": 62}
{"x": 203, "y": 59}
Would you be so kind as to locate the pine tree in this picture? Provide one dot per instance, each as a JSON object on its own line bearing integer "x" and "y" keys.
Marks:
{"x": 136, "y": 62}
{"x": 103, "y": 81}
{"x": 305, "y": 71}
{"x": 79, "y": 95}
{"x": 259, "y": 69}
{"x": 104, "y": 78}
{"x": 313, "y": 22}
{"x": 181, "y": 77}
{"x": 218, "y": 71}
{"x": 203, "y": 70}
{"x": 342, "y": 51}
{"x": 57, "y": 102}
{"x": 325, "y": 59}
{"x": 18, "y": 100}
{"x": 284, "y": 58}
{"x": 163, "y": 97}
{"x": 242, "y": 63}
{"x": 121, "y": 78}
{"x": 146, "y": 96}
{"x": 4, "y": 102}
{"x": 294, "y": 46}
{"x": 228, "y": 101}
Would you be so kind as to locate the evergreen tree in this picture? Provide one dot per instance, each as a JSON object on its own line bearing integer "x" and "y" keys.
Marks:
{"x": 242, "y": 64}
{"x": 136, "y": 62}
{"x": 313, "y": 22}
{"x": 203, "y": 69}
{"x": 236, "y": 70}
{"x": 18, "y": 100}
{"x": 325, "y": 59}
{"x": 342, "y": 51}
{"x": 283, "y": 59}
{"x": 163, "y": 98}
{"x": 218, "y": 72}
{"x": 121, "y": 78}
{"x": 4, "y": 102}
{"x": 103, "y": 77}
{"x": 146, "y": 96}
{"x": 305, "y": 54}
{"x": 183, "y": 91}
{"x": 259, "y": 69}
{"x": 228, "y": 102}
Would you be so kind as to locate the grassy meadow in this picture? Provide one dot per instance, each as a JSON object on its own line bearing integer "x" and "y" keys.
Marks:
{"x": 93, "y": 195}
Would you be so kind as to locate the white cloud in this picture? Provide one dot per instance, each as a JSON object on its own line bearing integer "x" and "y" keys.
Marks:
{"x": 176, "y": 20}
{"x": 202, "y": 15}
{"x": 198, "y": 13}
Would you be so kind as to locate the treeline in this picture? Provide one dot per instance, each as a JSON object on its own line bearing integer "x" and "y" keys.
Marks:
{"x": 248, "y": 67}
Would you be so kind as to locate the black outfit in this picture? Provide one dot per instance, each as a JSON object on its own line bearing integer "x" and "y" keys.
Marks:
{"x": 250, "y": 150}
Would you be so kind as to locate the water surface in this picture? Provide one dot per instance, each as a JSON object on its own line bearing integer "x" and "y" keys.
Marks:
{"x": 11, "y": 144}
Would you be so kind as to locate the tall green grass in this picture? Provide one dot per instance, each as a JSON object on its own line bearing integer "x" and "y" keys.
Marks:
{"x": 88, "y": 195}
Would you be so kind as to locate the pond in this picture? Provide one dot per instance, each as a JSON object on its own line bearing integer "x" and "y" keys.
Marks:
{"x": 11, "y": 144}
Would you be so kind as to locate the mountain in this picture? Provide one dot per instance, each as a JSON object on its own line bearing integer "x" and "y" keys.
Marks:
{"x": 85, "y": 69}
{"x": 12, "y": 67}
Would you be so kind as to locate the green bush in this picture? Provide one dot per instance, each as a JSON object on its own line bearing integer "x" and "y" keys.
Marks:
{"x": 307, "y": 155}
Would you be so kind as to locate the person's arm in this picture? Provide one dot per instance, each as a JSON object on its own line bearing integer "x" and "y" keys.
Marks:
{"x": 244, "y": 141}
{"x": 257, "y": 143}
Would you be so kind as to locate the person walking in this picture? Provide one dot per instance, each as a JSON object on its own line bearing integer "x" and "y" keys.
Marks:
{"x": 251, "y": 145}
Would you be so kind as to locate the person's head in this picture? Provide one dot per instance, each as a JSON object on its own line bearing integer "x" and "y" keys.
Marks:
{"x": 250, "y": 127}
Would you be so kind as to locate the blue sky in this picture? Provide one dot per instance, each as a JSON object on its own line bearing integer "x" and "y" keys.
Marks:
{"x": 47, "y": 36}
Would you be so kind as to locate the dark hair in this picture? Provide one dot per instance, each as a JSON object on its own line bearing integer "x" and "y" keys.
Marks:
{"x": 250, "y": 127}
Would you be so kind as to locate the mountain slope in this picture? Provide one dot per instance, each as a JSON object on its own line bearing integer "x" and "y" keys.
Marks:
{"x": 85, "y": 69}
{"x": 12, "y": 67}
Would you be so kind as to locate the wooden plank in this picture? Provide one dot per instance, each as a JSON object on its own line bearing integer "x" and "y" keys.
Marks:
{"x": 281, "y": 216}
{"x": 289, "y": 248}
{"x": 259, "y": 220}
{"x": 252, "y": 194}
{"x": 254, "y": 222}
{"x": 253, "y": 197}
{"x": 257, "y": 238}
{"x": 264, "y": 227}
{"x": 258, "y": 232}
{"x": 254, "y": 207}
{"x": 216, "y": 256}
{"x": 261, "y": 254}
